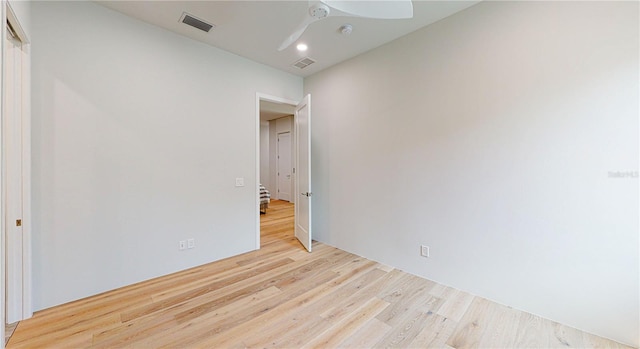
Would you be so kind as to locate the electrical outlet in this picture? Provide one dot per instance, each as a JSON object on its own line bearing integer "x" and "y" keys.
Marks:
{"x": 424, "y": 251}
{"x": 191, "y": 243}
{"x": 239, "y": 182}
{"x": 182, "y": 244}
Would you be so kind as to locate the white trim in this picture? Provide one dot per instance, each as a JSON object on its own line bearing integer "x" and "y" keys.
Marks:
{"x": 3, "y": 18}
{"x": 268, "y": 98}
{"x": 15, "y": 24}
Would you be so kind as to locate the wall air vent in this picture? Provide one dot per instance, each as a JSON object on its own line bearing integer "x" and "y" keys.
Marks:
{"x": 195, "y": 22}
{"x": 303, "y": 63}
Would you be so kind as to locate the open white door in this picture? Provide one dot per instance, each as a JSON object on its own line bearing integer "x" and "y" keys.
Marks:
{"x": 303, "y": 172}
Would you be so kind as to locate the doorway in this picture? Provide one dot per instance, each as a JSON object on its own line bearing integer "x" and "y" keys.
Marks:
{"x": 299, "y": 125}
{"x": 276, "y": 165}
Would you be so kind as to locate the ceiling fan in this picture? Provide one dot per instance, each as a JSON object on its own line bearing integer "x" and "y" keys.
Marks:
{"x": 321, "y": 9}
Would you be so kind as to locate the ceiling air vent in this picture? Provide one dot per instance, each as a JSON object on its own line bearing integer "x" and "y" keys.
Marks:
{"x": 195, "y": 22}
{"x": 303, "y": 63}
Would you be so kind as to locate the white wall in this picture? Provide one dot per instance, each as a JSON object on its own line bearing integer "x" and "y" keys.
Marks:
{"x": 138, "y": 136}
{"x": 489, "y": 136}
{"x": 284, "y": 124}
{"x": 265, "y": 175}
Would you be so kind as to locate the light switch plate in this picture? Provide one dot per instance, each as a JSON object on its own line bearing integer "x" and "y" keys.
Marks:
{"x": 239, "y": 182}
{"x": 424, "y": 251}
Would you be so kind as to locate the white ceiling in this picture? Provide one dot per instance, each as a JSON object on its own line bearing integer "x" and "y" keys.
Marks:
{"x": 272, "y": 110}
{"x": 255, "y": 29}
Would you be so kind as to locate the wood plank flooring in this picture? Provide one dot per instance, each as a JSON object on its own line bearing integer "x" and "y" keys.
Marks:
{"x": 283, "y": 297}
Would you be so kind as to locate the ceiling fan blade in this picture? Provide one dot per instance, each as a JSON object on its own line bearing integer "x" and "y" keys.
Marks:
{"x": 297, "y": 33}
{"x": 395, "y": 9}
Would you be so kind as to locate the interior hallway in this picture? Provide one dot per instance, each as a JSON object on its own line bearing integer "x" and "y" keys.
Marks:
{"x": 277, "y": 224}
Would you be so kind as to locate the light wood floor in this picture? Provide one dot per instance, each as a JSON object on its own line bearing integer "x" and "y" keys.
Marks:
{"x": 284, "y": 297}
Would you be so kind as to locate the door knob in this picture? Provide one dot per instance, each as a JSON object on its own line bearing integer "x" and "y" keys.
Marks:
{"x": 306, "y": 194}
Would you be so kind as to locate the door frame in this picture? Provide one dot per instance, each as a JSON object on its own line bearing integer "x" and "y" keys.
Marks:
{"x": 274, "y": 99}
{"x": 8, "y": 15}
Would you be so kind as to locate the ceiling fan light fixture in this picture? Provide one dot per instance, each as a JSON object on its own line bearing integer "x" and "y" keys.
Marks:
{"x": 346, "y": 29}
{"x": 319, "y": 11}
{"x": 302, "y": 47}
